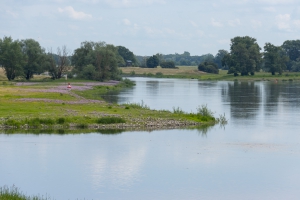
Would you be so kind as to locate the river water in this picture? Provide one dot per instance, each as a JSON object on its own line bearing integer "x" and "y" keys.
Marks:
{"x": 255, "y": 156}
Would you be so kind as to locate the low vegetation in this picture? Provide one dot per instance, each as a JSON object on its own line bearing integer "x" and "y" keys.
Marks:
{"x": 50, "y": 105}
{"x": 191, "y": 72}
{"x": 13, "y": 193}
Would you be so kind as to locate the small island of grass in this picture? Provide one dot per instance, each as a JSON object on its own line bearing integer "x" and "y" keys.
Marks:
{"x": 52, "y": 105}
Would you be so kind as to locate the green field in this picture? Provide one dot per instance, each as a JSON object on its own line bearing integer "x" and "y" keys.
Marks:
{"x": 45, "y": 105}
{"x": 192, "y": 72}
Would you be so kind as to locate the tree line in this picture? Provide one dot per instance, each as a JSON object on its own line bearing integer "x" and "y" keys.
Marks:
{"x": 100, "y": 61}
{"x": 92, "y": 60}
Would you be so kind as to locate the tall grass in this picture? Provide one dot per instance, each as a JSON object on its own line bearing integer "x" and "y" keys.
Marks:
{"x": 141, "y": 105}
{"x": 110, "y": 120}
{"x": 13, "y": 193}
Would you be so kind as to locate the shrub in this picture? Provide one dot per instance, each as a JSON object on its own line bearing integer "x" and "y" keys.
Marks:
{"x": 167, "y": 64}
{"x": 208, "y": 67}
{"x": 110, "y": 120}
{"x": 61, "y": 120}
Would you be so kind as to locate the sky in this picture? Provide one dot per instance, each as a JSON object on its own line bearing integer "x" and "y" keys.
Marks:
{"x": 147, "y": 27}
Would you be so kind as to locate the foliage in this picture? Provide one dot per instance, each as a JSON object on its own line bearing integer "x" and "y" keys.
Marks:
{"x": 11, "y": 57}
{"x": 34, "y": 58}
{"x": 274, "y": 59}
{"x": 105, "y": 59}
{"x": 167, "y": 64}
{"x": 152, "y": 61}
{"x": 292, "y": 50}
{"x": 295, "y": 66}
{"x": 126, "y": 54}
{"x": 219, "y": 57}
{"x": 204, "y": 111}
{"x": 208, "y": 67}
{"x": 110, "y": 120}
{"x": 13, "y": 193}
{"x": 244, "y": 56}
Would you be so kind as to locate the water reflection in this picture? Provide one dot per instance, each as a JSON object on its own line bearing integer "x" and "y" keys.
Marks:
{"x": 244, "y": 99}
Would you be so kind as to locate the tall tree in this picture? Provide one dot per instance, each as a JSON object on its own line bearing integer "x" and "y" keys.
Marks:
{"x": 152, "y": 61}
{"x": 127, "y": 55}
{"x": 34, "y": 57}
{"x": 218, "y": 58}
{"x": 98, "y": 58}
{"x": 274, "y": 59}
{"x": 11, "y": 57}
{"x": 292, "y": 49}
{"x": 63, "y": 61}
{"x": 244, "y": 56}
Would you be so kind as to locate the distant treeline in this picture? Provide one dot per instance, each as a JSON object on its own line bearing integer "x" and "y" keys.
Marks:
{"x": 245, "y": 58}
{"x": 92, "y": 60}
{"x": 185, "y": 59}
{"x": 100, "y": 61}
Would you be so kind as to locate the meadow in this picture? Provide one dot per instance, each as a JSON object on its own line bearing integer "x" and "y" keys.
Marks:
{"x": 193, "y": 73}
{"x": 47, "y": 104}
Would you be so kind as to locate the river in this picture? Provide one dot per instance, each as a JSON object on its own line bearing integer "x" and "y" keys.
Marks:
{"x": 255, "y": 156}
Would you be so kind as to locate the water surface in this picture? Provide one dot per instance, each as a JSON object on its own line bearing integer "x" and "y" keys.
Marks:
{"x": 256, "y": 156}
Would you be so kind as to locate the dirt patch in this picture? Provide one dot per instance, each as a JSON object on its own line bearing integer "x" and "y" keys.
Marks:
{"x": 80, "y": 101}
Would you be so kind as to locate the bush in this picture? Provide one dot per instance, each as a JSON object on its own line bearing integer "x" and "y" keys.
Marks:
{"x": 110, "y": 120}
{"x": 167, "y": 64}
{"x": 208, "y": 67}
{"x": 61, "y": 120}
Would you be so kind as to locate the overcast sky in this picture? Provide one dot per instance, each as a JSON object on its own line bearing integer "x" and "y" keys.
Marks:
{"x": 148, "y": 27}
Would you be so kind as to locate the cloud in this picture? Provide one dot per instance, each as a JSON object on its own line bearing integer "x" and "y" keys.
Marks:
{"x": 224, "y": 41}
{"x": 256, "y": 24}
{"x": 126, "y": 22}
{"x": 283, "y": 22}
{"x": 194, "y": 24}
{"x": 132, "y": 3}
{"x": 276, "y": 1}
{"x": 234, "y": 23}
{"x": 270, "y": 9}
{"x": 13, "y": 14}
{"x": 216, "y": 23}
{"x": 78, "y": 15}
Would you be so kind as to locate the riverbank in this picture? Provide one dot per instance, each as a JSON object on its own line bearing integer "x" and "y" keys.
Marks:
{"x": 52, "y": 105}
{"x": 192, "y": 72}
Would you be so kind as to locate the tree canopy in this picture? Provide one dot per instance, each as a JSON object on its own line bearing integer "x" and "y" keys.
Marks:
{"x": 274, "y": 59}
{"x": 152, "y": 61}
{"x": 209, "y": 67}
{"x": 127, "y": 55}
{"x": 244, "y": 56}
{"x": 11, "y": 57}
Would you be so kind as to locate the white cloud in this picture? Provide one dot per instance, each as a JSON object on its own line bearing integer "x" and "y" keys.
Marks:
{"x": 132, "y": 3}
{"x": 270, "y": 9}
{"x": 126, "y": 22}
{"x": 224, "y": 41}
{"x": 13, "y": 14}
{"x": 283, "y": 22}
{"x": 216, "y": 23}
{"x": 276, "y": 1}
{"x": 200, "y": 33}
{"x": 194, "y": 24}
{"x": 69, "y": 10}
{"x": 256, "y": 24}
{"x": 296, "y": 23}
{"x": 234, "y": 23}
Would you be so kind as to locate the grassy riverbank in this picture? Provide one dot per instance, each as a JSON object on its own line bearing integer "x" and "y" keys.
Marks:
{"x": 13, "y": 193}
{"x": 192, "y": 72}
{"x": 50, "y": 105}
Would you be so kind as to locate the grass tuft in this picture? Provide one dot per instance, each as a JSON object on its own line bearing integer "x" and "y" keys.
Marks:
{"x": 110, "y": 120}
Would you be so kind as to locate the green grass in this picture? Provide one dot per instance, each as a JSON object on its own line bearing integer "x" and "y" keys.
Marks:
{"x": 110, "y": 120}
{"x": 13, "y": 193}
{"x": 45, "y": 115}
